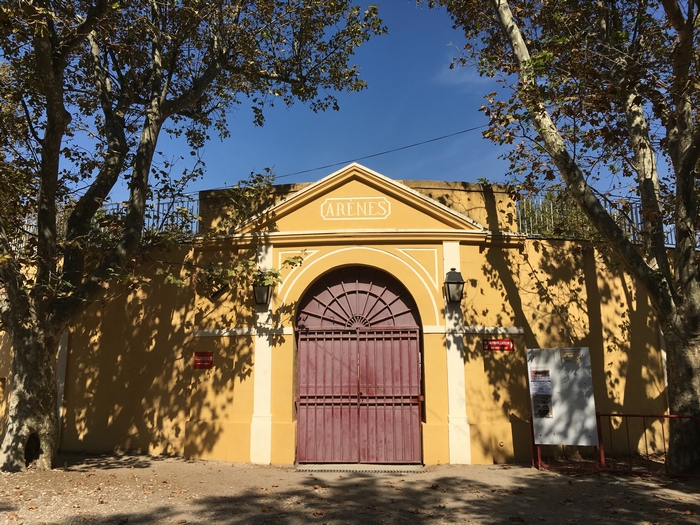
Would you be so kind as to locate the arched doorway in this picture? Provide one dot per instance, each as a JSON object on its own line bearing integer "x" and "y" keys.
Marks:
{"x": 358, "y": 370}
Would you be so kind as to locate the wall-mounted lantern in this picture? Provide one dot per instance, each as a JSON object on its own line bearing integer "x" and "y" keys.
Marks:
{"x": 262, "y": 289}
{"x": 264, "y": 282}
{"x": 262, "y": 294}
{"x": 454, "y": 286}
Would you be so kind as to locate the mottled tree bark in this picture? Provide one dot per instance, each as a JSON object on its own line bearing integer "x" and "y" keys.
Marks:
{"x": 32, "y": 421}
{"x": 683, "y": 364}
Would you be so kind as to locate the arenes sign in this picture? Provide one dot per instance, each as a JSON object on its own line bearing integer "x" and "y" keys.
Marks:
{"x": 355, "y": 208}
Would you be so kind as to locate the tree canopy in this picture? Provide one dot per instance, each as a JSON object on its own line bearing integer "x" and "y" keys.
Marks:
{"x": 87, "y": 89}
{"x": 604, "y": 95}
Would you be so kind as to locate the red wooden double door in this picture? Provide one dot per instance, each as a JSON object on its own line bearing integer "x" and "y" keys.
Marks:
{"x": 358, "y": 371}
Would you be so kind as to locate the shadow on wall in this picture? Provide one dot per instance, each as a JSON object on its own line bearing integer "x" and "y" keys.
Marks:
{"x": 490, "y": 205}
{"x": 131, "y": 384}
{"x": 566, "y": 294}
{"x": 127, "y": 361}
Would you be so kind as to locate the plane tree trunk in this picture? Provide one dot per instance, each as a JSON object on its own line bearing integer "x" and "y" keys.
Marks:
{"x": 683, "y": 366}
{"x": 32, "y": 421}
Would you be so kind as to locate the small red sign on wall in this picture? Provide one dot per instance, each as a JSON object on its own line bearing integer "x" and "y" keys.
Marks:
{"x": 499, "y": 345}
{"x": 203, "y": 360}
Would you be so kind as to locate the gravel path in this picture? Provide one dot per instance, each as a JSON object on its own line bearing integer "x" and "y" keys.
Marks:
{"x": 142, "y": 489}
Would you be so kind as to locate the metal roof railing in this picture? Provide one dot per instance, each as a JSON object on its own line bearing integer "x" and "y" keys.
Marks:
{"x": 555, "y": 215}
{"x": 179, "y": 215}
{"x": 552, "y": 215}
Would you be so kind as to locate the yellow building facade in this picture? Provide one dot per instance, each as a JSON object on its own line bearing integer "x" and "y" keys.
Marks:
{"x": 358, "y": 357}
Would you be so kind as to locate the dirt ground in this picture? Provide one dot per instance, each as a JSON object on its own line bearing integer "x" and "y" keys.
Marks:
{"x": 142, "y": 489}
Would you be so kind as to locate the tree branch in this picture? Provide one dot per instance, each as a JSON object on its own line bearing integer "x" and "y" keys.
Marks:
{"x": 30, "y": 124}
{"x": 112, "y": 166}
{"x": 674, "y": 14}
{"x": 49, "y": 72}
{"x": 684, "y": 155}
{"x": 66, "y": 308}
{"x": 658, "y": 288}
{"x": 644, "y": 164}
{"x": 77, "y": 36}
{"x": 199, "y": 87}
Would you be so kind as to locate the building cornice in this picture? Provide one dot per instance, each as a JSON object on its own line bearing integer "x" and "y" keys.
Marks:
{"x": 361, "y": 236}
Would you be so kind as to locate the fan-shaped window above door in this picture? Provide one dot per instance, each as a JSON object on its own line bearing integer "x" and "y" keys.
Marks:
{"x": 357, "y": 296}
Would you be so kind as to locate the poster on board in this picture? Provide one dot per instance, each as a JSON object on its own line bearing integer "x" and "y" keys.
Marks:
{"x": 542, "y": 406}
{"x": 541, "y": 392}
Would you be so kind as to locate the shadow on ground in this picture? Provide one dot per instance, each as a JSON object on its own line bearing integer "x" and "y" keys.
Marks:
{"x": 74, "y": 462}
{"x": 486, "y": 495}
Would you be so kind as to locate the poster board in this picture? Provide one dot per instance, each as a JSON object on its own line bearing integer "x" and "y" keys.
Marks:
{"x": 561, "y": 396}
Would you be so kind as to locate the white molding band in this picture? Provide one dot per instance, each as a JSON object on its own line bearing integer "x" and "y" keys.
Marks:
{"x": 491, "y": 330}
{"x": 242, "y": 331}
{"x": 261, "y": 423}
{"x": 458, "y": 425}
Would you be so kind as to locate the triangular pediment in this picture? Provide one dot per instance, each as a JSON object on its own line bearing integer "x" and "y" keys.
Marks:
{"x": 357, "y": 198}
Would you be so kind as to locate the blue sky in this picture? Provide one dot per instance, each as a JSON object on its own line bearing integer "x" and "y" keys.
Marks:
{"x": 412, "y": 96}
